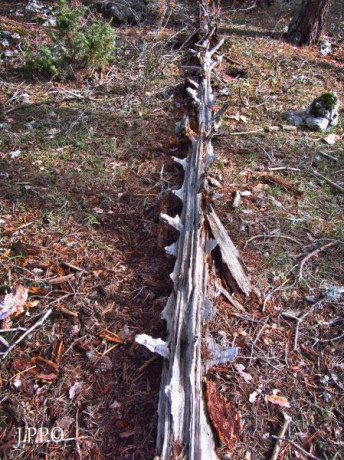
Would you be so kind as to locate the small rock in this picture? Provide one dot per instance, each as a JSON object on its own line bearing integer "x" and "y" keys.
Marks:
{"x": 293, "y": 118}
{"x": 23, "y": 98}
{"x": 325, "y": 46}
{"x": 327, "y": 397}
{"x": 320, "y": 115}
{"x": 317, "y": 124}
{"x": 299, "y": 77}
{"x": 15, "y": 154}
{"x": 30, "y": 125}
{"x": 326, "y": 106}
{"x": 122, "y": 11}
{"x": 50, "y": 22}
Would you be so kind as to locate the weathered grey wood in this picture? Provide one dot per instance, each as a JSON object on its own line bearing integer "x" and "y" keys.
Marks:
{"x": 183, "y": 426}
{"x": 237, "y": 272}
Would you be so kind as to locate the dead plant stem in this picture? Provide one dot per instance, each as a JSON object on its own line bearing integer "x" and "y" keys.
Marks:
{"x": 278, "y": 445}
{"x": 308, "y": 454}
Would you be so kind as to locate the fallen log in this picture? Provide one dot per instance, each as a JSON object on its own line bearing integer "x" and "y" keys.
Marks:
{"x": 184, "y": 430}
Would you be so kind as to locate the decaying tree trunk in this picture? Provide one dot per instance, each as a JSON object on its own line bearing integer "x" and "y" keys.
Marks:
{"x": 184, "y": 431}
{"x": 307, "y": 24}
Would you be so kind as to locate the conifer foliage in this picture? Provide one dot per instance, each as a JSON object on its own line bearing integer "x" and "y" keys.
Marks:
{"x": 80, "y": 41}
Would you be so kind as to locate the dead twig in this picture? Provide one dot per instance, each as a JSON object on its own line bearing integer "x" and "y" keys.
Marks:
{"x": 327, "y": 155}
{"x": 259, "y": 334}
{"x": 22, "y": 337}
{"x": 309, "y": 171}
{"x": 231, "y": 299}
{"x": 329, "y": 181}
{"x": 299, "y": 320}
{"x": 242, "y": 133}
{"x": 282, "y": 183}
{"x": 73, "y": 267}
{"x": 308, "y": 454}
{"x": 272, "y": 236}
{"x": 60, "y": 279}
{"x": 146, "y": 364}
{"x": 314, "y": 253}
{"x": 77, "y": 438}
{"x": 280, "y": 437}
{"x": 338, "y": 337}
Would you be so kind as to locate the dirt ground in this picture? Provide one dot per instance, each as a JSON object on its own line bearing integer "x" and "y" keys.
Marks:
{"x": 85, "y": 169}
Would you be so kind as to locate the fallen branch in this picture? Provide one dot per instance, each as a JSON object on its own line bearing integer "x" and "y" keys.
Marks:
{"x": 22, "y": 337}
{"x": 333, "y": 339}
{"x": 326, "y": 179}
{"x": 73, "y": 267}
{"x": 313, "y": 254}
{"x": 282, "y": 183}
{"x": 190, "y": 350}
{"x": 327, "y": 155}
{"x": 312, "y": 172}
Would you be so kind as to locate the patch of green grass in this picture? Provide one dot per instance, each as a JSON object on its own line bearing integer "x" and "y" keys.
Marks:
{"x": 91, "y": 219}
{"x": 275, "y": 191}
{"x": 279, "y": 261}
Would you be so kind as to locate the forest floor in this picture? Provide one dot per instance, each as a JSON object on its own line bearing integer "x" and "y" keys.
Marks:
{"x": 85, "y": 166}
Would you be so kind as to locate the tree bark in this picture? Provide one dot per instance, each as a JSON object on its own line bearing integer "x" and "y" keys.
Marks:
{"x": 263, "y": 3}
{"x": 307, "y": 24}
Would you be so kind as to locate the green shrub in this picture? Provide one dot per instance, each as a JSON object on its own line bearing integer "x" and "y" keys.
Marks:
{"x": 79, "y": 42}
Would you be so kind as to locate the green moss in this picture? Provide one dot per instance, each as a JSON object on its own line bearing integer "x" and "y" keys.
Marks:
{"x": 326, "y": 101}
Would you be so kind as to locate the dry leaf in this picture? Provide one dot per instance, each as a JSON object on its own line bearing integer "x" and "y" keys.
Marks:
{"x": 278, "y": 400}
{"x": 240, "y": 368}
{"x": 46, "y": 376}
{"x": 110, "y": 336}
{"x": 237, "y": 117}
{"x": 11, "y": 303}
{"x": 253, "y": 396}
{"x": 331, "y": 139}
{"x": 115, "y": 405}
{"x": 126, "y": 434}
{"x": 75, "y": 389}
{"x": 98, "y": 210}
{"x": 65, "y": 423}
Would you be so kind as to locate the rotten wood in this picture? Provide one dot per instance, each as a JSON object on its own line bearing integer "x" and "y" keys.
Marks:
{"x": 184, "y": 429}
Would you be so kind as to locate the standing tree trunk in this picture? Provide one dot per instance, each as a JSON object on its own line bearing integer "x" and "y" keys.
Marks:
{"x": 307, "y": 24}
{"x": 262, "y": 3}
